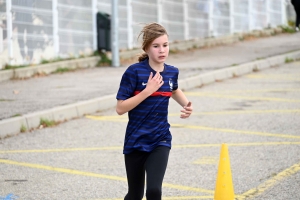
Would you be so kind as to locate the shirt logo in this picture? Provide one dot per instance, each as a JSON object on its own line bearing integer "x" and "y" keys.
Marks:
{"x": 171, "y": 84}
{"x": 144, "y": 83}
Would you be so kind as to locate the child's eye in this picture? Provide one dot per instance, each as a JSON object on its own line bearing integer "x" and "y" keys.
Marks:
{"x": 155, "y": 46}
{"x": 165, "y": 45}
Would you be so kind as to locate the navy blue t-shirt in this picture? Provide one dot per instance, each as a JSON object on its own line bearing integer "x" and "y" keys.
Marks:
{"x": 148, "y": 125}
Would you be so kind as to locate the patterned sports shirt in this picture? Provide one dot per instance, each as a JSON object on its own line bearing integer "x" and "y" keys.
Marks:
{"x": 148, "y": 125}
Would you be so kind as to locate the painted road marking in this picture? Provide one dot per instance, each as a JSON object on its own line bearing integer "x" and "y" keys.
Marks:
{"x": 274, "y": 77}
{"x": 119, "y": 148}
{"x": 169, "y": 198}
{"x": 206, "y": 160}
{"x": 252, "y": 91}
{"x": 271, "y": 182}
{"x": 229, "y": 112}
{"x": 235, "y": 112}
{"x": 212, "y": 129}
{"x": 236, "y": 131}
{"x": 243, "y": 97}
{"x": 103, "y": 176}
{"x": 253, "y": 192}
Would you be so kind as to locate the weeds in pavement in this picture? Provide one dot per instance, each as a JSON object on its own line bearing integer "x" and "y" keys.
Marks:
{"x": 6, "y": 100}
{"x": 288, "y": 60}
{"x": 23, "y": 128}
{"x": 7, "y": 66}
{"x": 47, "y": 123}
{"x": 17, "y": 115}
{"x": 104, "y": 60}
{"x": 62, "y": 70}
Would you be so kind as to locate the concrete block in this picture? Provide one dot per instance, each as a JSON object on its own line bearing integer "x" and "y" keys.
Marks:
{"x": 282, "y": 59}
{"x": 73, "y": 64}
{"x": 130, "y": 53}
{"x": 107, "y": 102}
{"x": 297, "y": 54}
{"x": 63, "y": 113}
{"x": 244, "y": 69}
{"x": 6, "y": 75}
{"x": 182, "y": 85}
{"x": 87, "y": 107}
{"x": 220, "y": 75}
{"x": 200, "y": 43}
{"x": 88, "y": 62}
{"x": 230, "y": 72}
{"x": 234, "y": 71}
{"x": 207, "y": 78}
{"x": 62, "y": 64}
{"x": 273, "y": 61}
{"x": 263, "y": 64}
{"x": 34, "y": 119}
{"x": 47, "y": 68}
{"x": 192, "y": 82}
{"x": 25, "y": 72}
{"x": 12, "y": 126}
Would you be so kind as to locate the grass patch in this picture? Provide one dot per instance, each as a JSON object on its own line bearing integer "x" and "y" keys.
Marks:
{"x": 23, "y": 129}
{"x": 47, "y": 123}
{"x": 62, "y": 70}
{"x": 174, "y": 51}
{"x": 7, "y": 66}
{"x": 291, "y": 23}
{"x": 17, "y": 115}
{"x": 45, "y": 61}
{"x": 288, "y": 60}
{"x": 288, "y": 29}
{"x": 6, "y": 100}
{"x": 104, "y": 60}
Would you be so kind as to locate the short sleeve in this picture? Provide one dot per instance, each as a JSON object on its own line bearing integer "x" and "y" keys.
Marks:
{"x": 175, "y": 84}
{"x": 127, "y": 84}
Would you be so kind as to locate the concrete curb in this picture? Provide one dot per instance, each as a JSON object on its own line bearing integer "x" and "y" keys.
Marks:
{"x": 27, "y": 72}
{"x": 12, "y": 126}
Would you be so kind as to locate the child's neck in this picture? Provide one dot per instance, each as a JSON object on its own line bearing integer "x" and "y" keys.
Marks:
{"x": 159, "y": 67}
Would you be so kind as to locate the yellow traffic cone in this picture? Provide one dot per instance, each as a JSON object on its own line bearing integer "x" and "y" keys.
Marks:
{"x": 224, "y": 187}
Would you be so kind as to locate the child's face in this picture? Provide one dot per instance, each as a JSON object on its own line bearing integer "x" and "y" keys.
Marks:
{"x": 158, "y": 51}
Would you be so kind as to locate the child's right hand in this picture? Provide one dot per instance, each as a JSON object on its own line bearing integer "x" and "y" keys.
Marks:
{"x": 154, "y": 82}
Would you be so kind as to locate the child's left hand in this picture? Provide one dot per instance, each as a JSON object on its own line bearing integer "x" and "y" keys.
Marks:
{"x": 187, "y": 111}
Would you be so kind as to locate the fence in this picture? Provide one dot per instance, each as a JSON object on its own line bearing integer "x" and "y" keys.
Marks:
{"x": 35, "y": 30}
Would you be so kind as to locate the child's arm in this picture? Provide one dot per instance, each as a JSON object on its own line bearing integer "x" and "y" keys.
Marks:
{"x": 153, "y": 84}
{"x": 181, "y": 99}
{"x": 123, "y": 106}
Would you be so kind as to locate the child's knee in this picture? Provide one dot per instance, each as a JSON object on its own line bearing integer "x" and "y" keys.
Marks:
{"x": 153, "y": 193}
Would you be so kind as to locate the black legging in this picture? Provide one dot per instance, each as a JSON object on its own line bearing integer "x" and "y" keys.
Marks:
{"x": 297, "y": 10}
{"x": 154, "y": 164}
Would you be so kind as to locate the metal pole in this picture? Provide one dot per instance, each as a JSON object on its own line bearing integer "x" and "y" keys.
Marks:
{"x": 283, "y": 12}
{"x": 211, "y": 32}
{"x": 55, "y": 27}
{"x": 115, "y": 38}
{"x": 231, "y": 16}
{"x": 250, "y": 20}
{"x": 185, "y": 19}
{"x": 268, "y": 14}
{"x": 159, "y": 11}
{"x": 129, "y": 24}
{"x": 94, "y": 18}
{"x": 9, "y": 31}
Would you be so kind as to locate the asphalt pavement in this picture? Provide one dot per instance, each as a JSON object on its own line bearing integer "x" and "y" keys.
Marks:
{"x": 257, "y": 115}
{"x": 20, "y": 97}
